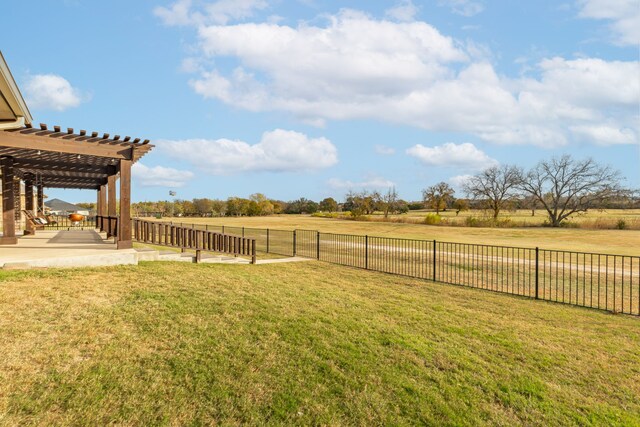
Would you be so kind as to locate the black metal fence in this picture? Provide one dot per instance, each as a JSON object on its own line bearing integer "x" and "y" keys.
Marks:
{"x": 601, "y": 281}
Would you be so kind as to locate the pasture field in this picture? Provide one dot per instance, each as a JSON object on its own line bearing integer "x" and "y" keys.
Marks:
{"x": 594, "y": 218}
{"x": 302, "y": 343}
{"x": 622, "y": 242}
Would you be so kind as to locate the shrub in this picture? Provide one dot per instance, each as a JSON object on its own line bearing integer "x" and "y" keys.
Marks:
{"x": 621, "y": 225}
{"x": 432, "y": 219}
{"x": 471, "y": 221}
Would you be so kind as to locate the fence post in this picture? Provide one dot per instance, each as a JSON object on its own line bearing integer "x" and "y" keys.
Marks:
{"x": 242, "y": 231}
{"x": 366, "y": 252}
{"x": 294, "y": 242}
{"x": 434, "y": 260}
{"x": 537, "y": 270}
{"x": 253, "y": 252}
{"x": 267, "y": 240}
{"x": 318, "y": 245}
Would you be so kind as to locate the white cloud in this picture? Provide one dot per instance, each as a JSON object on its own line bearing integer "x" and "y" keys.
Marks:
{"x": 605, "y": 135}
{"x": 51, "y": 92}
{"x": 623, "y": 15}
{"x": 465, "y": 155}
{"x": 463, "y": 7}
{"x": 372, "y": 183}
{"x": 278, "y": 151}
{"x": 223, "y": 11}
{"x": 357, "y": 67}
{"x": 160, "y": 176}
{"x": 183, "y": 12}
{"x": 383, "y": 150}
{"x": 459, "y": 181}
{"x": 404, "y": 11}
{"x": 179, "y": 13}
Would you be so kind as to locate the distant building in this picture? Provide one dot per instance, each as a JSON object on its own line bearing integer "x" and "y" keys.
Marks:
{"x": 60, "y": 207}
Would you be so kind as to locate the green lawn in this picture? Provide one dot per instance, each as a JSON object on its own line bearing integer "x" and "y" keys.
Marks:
{"x": 304, "y": 343}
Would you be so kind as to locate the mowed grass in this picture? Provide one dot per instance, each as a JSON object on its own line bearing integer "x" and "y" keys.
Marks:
{"x": 302, "y": 343}
{"x": 622, "y": 242}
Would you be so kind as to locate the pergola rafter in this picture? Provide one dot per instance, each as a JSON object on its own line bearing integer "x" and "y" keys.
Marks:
{"x": 64, "y": 159}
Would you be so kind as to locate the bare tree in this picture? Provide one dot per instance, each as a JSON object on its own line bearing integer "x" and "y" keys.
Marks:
{"x": 565, "y": 186}
{"x": 437, "y": 196}
{"x": 495, "y": 187}
{"x": 389, "y": 201}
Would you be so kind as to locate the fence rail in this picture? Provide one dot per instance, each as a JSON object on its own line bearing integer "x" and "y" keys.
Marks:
{"x": 62, "y": 222}
{"x": 194, "y": 238}
{"x": 600, "y": 281}
{"x": 108, "y": 224}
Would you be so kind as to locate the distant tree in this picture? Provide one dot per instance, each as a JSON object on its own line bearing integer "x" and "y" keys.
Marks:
{"x": 86, "y": 205}
{"x": 438, "y": 196}
{"x": 565, "y": 186}
{"x": 301, "y": 206}
{"x": 203, "y": 206}
{"x": 415, "y": 206}
{"x": 388, "y": 201}
{"x": 264, "y": 205}
{"x": 460, "y": 205}
{"x": 402, "y": 206}
{"x": 218, "y": 207}
{"x": 184, "y": 207}
{"x": 235, "y": 206}
{"x": 328, "y": 205}
{"x": 278, "y": 206}
{"x": 530, "y": 202}
{"x": 361, "y": 203}
{"x": 495, "y": 187}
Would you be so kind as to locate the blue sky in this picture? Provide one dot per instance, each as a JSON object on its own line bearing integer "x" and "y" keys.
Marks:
{"x": 313, "y": 98}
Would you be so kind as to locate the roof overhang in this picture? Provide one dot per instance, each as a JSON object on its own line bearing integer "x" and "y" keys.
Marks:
{"x": 14, "y": 112}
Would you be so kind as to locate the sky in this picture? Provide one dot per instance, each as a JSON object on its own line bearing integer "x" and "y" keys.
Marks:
{"x": 313, "y": 98}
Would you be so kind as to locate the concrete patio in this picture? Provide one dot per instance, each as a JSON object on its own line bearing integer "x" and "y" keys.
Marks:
{"x": 89, "y": 248}
{"x": 65, "y": 248}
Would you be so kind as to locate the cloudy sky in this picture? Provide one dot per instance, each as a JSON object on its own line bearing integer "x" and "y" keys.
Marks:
{"x": 313, "y": 98}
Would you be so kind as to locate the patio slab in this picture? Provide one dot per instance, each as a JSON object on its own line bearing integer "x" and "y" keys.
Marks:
{"x": 64, "y": 248}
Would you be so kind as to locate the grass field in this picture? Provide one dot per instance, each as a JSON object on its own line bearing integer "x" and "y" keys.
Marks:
{"x": 305, "y": 343}
{"x": 593, "y": 218}
{"x": 623, "y": 242}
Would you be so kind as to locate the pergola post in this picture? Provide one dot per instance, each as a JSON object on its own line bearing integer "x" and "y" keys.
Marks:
{"x": 111, "y": 199}
{"x": 40, "y": 198}
{"x": 8, "y": 203}
{"x": 28, "y": 205}
{"x": 102, "y": 206}
{"x": 18, "y": 201}
{"x": 124, "y": 222}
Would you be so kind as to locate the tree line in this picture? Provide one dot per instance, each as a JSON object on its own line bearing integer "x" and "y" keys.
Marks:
{"x": 560, "y": 186}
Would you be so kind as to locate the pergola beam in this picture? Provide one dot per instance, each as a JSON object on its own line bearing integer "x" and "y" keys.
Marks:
{"x": 121, "y": 151}
{"x": 44, "y": 165}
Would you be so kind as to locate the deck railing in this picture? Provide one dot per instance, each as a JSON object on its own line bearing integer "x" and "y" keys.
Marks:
{"x": 62, "y": 222}
{"x": 108, "y": 224}
{"x": 191, "y": 238}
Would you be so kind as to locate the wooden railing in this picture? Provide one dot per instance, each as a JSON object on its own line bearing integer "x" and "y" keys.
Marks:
{"x": 190, "y": 238}
{"x": 109, "y": 224}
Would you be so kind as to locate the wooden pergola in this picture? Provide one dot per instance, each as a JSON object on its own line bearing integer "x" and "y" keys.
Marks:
{"x": 56, "y": 158}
